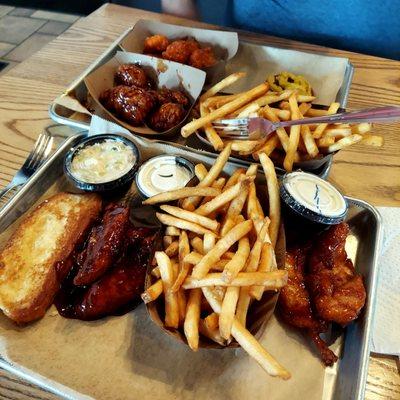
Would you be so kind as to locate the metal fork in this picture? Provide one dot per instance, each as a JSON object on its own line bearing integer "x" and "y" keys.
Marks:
{"x": 257, "y": 128}
{"x": 40, "y": 152}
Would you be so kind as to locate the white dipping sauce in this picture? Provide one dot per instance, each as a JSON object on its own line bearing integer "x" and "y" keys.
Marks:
{"x": 163, "y": 173}
{"x": 315, "y": 194}
{"x": 103, "y": 162}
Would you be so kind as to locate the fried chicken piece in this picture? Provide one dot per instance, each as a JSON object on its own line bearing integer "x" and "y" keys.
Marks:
{"x": 167, "y": 116}
{"x": 129, "y": 103}
{"x": 105, "y": 244}
{"x": 165, "y": 95}
{"x": 337, "y": 290}
{"x": 202, "y": 58}
{"x": 294, "y": 303}
{"x": 131, "y": 75}
{"x": 155, "y": 44}
{"x": 119, "y": 287}
{"x": 180, "y": 50}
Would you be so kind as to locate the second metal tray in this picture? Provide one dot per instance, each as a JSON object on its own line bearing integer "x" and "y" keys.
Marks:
{"x": 64, "y": 116}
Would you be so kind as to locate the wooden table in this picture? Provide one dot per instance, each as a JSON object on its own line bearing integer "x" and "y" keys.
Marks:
{"x": 27, "y": 90}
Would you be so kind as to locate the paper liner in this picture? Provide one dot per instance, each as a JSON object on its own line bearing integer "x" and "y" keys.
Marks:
{"x": 258, "y": 315}
{"x": 166, "y": 73}
{"x": 325, "y": 73}
{"x": 224, "y": 44}
{"x": 68, "y": 100}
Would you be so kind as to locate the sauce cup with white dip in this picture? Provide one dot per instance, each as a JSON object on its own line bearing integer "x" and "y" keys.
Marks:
{"x": 310, "y": 204}
{"x": 102, "y": 162}
{"x": 163, "y": 173}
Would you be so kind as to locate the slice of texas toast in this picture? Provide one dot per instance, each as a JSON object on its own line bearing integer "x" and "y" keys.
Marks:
{"x": 28, "y": 278}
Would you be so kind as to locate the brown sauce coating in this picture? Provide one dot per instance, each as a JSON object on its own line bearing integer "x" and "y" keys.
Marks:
{"x": 166, "y": 117}
{"x": 104, "y": 244}
{"x": 135, "y": 105}
{"x": 118, "y": 289}
{"x": 129, "y": 103}
{"x": 165, "y": 95}
{"x": 131, "y": 75}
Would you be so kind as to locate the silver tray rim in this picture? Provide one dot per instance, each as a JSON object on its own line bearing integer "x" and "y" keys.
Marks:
{"x": 359, "y": 384}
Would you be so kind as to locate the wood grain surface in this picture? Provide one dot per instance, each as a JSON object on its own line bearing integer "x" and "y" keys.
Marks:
{"x": 27, "y": 90}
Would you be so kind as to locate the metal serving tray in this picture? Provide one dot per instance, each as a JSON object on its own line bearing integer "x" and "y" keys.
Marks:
{"x": 64, "y": 116}
{"x": 344, "y": 381}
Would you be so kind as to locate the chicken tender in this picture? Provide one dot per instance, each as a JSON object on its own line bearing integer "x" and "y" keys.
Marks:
{"x": 131, "y": 75}
{"x": 167, "y": 116}
{"x": 202, "y": 58}
{"x": 155, "y": 44}
{"x": 295, "y": 305}
{"x": 337, "y": 289}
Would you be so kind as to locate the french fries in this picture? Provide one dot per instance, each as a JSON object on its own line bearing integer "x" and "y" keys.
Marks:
{"x": 171, "y": 299}
{"x": 184, "y": 267}
{"x": 235, "y": 234}
{"x": 273, "y": 194}
{"x": 192, "y": 318}
{"x": 306, "y": 142}
{"x": 229, "y": 80}
{"x": 238, "y": 261}
{"x": 268, "y": 280}
{"x": 228, "y": 309}
{"x": 219, "y": 257}
{"x": 153, "y": 292}
{"x": 181, "y": 194}
{"x": 191, "y": 216}
{"x": 226, "y": 109}
{"x": 191, "y": 202}
{"x": 182, "y": 224}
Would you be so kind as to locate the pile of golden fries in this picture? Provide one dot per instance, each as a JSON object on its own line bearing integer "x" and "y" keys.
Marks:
{"x": 219, "y": 256}
{"x": 298, "y": 143}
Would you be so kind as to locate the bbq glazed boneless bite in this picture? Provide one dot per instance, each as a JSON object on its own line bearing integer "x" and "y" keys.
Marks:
{"x": 165, "y": 95}
{"x": 167, "y": 116}
{"x": 131, "y": 75}
{"x": 129, "y": 103}
{"x": 135, "y": 104}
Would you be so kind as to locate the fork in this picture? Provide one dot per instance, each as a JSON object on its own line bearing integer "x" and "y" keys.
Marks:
{"x": 39, "y": 153}
{"x": 257, "y": 128}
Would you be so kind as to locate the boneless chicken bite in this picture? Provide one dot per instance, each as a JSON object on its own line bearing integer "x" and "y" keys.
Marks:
{"x": 202, "y": 58}
{"x": 129, "y": 103}
{"x": 179, "y": 51}
{"x": 155, "y": 44}
{"x": 165, "y": 95}
{"x": 166, "y": 117}
{"x": 131, "y": 75}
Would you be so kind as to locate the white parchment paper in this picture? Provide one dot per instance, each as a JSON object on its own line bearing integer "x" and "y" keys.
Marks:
{"x": 325, "y": 73}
